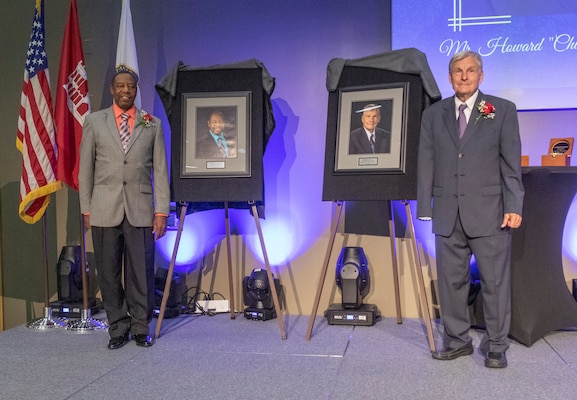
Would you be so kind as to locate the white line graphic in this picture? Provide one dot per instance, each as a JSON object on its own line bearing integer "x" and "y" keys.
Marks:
{"x": 457, "y": 22}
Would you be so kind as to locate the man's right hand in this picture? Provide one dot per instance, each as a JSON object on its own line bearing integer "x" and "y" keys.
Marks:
{"x": 86, "y": 221}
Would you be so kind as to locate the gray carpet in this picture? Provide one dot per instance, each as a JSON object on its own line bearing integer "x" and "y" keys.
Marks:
{"x": 203, "y": 357}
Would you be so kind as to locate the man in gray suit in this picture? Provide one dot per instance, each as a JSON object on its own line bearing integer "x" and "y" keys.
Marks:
{"x": 471, "y": 188}
{"x": 124, "y": 197}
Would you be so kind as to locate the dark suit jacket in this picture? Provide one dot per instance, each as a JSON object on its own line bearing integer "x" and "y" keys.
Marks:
{"x": 478, "y": 175}
{"x": 112, "y": 183}
{"x": 206, "y": 147}
{"x": 359, "y": 142}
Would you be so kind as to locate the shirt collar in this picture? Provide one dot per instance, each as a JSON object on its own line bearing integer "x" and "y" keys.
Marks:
{"x": 118, "y": 111}
{"x": 470, "y": 101}
{"x": 215, "y": 136}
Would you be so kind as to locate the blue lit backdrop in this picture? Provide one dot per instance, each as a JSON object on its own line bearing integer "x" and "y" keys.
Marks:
{"x": 529, "y": 51}
{"x": 295, "y": 40}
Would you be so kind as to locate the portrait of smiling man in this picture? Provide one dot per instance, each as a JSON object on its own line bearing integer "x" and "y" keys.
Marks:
{"x": 369, "y": 138}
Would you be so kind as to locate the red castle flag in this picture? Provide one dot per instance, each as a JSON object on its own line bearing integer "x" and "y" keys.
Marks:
{"x": 35, "y": 138}
{"x": 72, "y": 101}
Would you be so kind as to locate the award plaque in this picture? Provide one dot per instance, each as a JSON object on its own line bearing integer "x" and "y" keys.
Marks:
{"x": 560, "y": 151}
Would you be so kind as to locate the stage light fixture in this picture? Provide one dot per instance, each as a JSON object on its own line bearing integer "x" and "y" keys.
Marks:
{"x": 257, "y": 295}
{"x": 69, "y": 274}
{"x": 176, "y": 300}
{"x": 70, "y": 286}
{"x": 353, "y": 278}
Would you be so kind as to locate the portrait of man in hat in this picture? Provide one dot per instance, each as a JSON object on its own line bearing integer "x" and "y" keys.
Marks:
{"x": 369, "y": 138}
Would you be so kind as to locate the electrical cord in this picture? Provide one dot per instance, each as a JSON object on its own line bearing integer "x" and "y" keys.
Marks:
{"x": 192, "y": 303}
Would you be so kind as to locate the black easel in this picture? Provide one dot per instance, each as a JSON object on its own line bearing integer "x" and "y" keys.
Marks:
{"x": 421, "y": 285}
{"x": 229, "y": 259}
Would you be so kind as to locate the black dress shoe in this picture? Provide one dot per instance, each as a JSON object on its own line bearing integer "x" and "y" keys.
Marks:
{"x": 449, "y": 353}
{"x": 117, "y": 342}
{"x": 144, "y": 340}
{"x": 495, "y": 360}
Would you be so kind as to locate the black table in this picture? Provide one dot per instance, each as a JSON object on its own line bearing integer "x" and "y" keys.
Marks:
{"x": 540, "y": 300}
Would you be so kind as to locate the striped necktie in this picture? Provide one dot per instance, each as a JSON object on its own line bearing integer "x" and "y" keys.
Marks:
{"x": 372, "y": 142}
{"x": 221, "y": 147}
{"x": 124, "y": 131}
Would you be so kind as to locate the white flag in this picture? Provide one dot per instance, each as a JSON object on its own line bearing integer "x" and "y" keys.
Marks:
{"x": 126, "y": 48}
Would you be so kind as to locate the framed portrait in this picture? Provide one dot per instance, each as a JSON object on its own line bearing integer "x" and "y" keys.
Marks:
{"x": 372, "y": 129}
{"x": 216, "y": 135}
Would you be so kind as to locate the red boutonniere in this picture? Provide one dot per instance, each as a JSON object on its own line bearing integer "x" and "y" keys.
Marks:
{"x": 146, "y": 119}
{"x": 486, "y": 110}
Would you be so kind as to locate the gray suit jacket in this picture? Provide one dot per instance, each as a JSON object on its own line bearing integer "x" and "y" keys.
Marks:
{"x": 478, "y": 175}
{"x": 113, "y": 184}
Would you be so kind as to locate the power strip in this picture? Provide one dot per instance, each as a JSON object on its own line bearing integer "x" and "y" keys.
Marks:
{"x": 213, "y": 306}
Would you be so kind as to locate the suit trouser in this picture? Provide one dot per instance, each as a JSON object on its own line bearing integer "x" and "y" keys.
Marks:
{"x": 128, "y": 302}
{"x": 493, "y": 257}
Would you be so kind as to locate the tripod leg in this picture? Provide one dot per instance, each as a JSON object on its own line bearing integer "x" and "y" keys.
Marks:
{"x": 395, "y": 263}
{"x": 229, "y": 259}
{"x": 170, "y": 271}
{"x": 269, "y": 273}
{"x": 334, "y": 226}
{"x": 421, "y": 282}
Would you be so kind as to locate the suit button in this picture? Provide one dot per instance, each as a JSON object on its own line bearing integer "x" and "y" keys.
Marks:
{"x": 455, "y": 196}
{"x": 460, "y": 155}
{"x": 125, "y": 162}
{"x": 124, "y": 183}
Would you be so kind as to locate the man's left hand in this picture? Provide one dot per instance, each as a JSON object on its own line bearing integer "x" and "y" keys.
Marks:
{"x": 159, "y": 226}
{"x": 511, "y": 220}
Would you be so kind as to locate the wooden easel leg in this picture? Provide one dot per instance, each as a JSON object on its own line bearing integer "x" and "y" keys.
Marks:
{"x": 269, "y": 272}
{"x": 421, "y": 282}
{"x": 395, "y": 263}
{"x": 229, "y": 259}
{"x": 170, "y": 271}
{"x": 334, "y": 226}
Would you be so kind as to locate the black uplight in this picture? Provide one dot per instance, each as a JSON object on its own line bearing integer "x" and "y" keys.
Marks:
{"x": 352, "y": 276}
{"x": 257, "y": 295}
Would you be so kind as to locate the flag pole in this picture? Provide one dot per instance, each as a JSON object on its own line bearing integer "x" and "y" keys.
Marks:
{"x": 47, "y": 321}
{"x": 72, "y": 105}
{"x": 86, "y": 322}
{"x": 36, "y": 125}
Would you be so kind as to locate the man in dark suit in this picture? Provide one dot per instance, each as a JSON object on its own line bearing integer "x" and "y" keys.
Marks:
{"x": 215, "y": 144}
{"x": 124, "y": 197}
{"x": 370, "y": 139}
{"x": 471, "y": 188}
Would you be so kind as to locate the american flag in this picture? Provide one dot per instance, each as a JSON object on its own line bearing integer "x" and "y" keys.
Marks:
{"x": 36, "y": 137}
